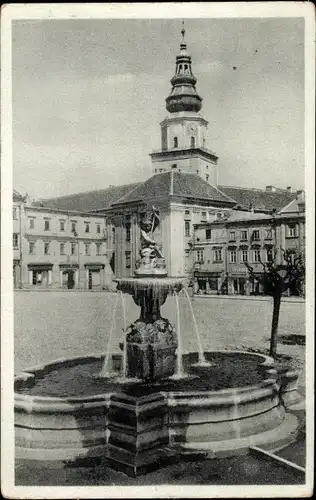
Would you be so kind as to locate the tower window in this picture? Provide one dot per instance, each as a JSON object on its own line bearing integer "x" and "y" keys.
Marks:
{"x": 192, "y": 142}
{"x": 207, "y": 177}
{"x": 186, "y": 68}
{"x": 198, "y": 172}
{"x": 175, "y": 142}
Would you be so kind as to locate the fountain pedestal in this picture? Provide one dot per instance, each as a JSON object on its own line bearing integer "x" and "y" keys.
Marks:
{"x": 150, "y": 361}
{"x": 151, "y": 341}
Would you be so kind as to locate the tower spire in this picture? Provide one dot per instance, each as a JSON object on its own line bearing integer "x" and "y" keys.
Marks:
{"x": 183, "y": 96}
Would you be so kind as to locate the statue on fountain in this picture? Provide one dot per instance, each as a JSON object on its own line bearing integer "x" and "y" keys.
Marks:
{"x": 151, "y": 262}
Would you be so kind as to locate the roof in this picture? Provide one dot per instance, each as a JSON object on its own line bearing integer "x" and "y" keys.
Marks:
{"x": 17, "y": 196}
{"x": 176, "y": 184}
{"x": 259, "y": 199}
{"x": 88, "y": 200}
{"x": 295, "y": 206}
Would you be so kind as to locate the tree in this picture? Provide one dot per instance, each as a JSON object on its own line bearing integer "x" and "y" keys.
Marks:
{"x": 276, "y": 279}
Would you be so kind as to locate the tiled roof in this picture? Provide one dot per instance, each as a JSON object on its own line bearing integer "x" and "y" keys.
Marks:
{"x": 176, "y": 184}
{"x": 259, "y": 199}
{"x": 89, "y": 200}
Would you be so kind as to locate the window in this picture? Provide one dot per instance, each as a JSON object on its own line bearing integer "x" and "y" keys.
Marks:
{"x": 31, "y": 222}
{"x": 31, "y": 247}
{"x": 175, "y": 142}
{"x": 203, "y": 216}
{"x": 113, "y": 235}
{"x": 200, "y": 255}
{"x": 87, "y": 248}
{"x": 256, "y": 235}
{"x": 244, "y": 255}
{"x": 128, "y": 231}
{"x": 98, "y": 248}
{"x": 46, "y": 224}
{"x": 61, "y": 225}
{"x": 73, "y": 226}
{"x": 174, "y": 165}
{"x": 217, "y": 255}
{"x": 73, "y": 248}
{"x": 187, "y": 229}
{"x": 269, "y": 254}
{"x": 192, "y": 142}
{"x": 98, "y": 228}
{"x": 15, "y": 212}
{"x": 15, "y": 240}
{"x": 207, "y": 177}
{"x": 87, "y": 227}
{"x": 268, "y": 233}
{"x": 198, "y": 171}
{"x": 232, "y": 256}
{"x": 208, "y": 234}
{"x": 232, "y": 236}
{"x": 46, "y": 247}
{"x": 244, "y": 235}
{"x": 256, "y": 255}
{"x": 187, "y": 213}
{"x": 62, "y": 249}
{"x": 291, "y": 231}
{"x": 128, "y": 260}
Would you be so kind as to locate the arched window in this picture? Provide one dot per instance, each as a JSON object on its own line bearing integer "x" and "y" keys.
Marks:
{"x": 180, "y": 68}
{"x": 175, "y": 142}
{"x": 186, "y": 69}
{"x": 192, "y": 142}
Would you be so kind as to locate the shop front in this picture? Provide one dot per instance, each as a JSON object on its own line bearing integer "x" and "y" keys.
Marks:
{"x": 208, "y": 283}
{"x": 94, "y": 276}
{"x": 69, "y": 276}
{"x": 40, "y": 275}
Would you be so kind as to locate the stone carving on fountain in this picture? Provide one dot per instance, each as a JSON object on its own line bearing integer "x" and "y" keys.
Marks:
{"x": 151, "y": 341}
{"x": 152, "y": 262}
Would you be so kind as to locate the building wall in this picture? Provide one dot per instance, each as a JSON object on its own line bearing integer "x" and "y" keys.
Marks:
{"x": 56, "y": 266}
{"x": 263, "y": 237}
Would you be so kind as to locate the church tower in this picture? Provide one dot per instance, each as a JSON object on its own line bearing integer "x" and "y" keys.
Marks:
{"x": 183, "y": 131}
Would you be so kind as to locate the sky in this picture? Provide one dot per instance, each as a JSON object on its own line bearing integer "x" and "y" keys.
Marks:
{"x": 89, "y": 95}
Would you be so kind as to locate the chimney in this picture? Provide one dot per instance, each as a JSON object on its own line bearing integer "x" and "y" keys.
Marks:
{"x": 270, "y": 189}
{"x": 289, "y": 189}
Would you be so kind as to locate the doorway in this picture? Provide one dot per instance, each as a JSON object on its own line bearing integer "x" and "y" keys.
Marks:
{"x": 68, "y": 279}
{"x": 94, "y": 279}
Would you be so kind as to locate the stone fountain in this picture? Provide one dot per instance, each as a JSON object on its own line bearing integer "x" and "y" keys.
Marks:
{"x": 144, "y": 411}
{"x": 151, "y": 343}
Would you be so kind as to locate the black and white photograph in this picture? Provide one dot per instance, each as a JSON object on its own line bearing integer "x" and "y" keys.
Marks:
{"x": 157, "y": 250}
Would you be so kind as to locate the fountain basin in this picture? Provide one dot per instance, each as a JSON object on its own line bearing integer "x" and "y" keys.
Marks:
{"x": 134, "y": 425}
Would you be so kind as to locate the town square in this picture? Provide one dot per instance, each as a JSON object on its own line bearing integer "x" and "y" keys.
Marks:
{"x": 160, "y": 283}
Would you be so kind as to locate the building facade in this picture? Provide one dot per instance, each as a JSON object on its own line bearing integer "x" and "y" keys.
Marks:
{"x": 60, "y": 249}
{"x": 222, "y": 247}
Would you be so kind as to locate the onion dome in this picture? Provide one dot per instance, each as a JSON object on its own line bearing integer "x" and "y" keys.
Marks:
{"x": 183, "y": 96}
